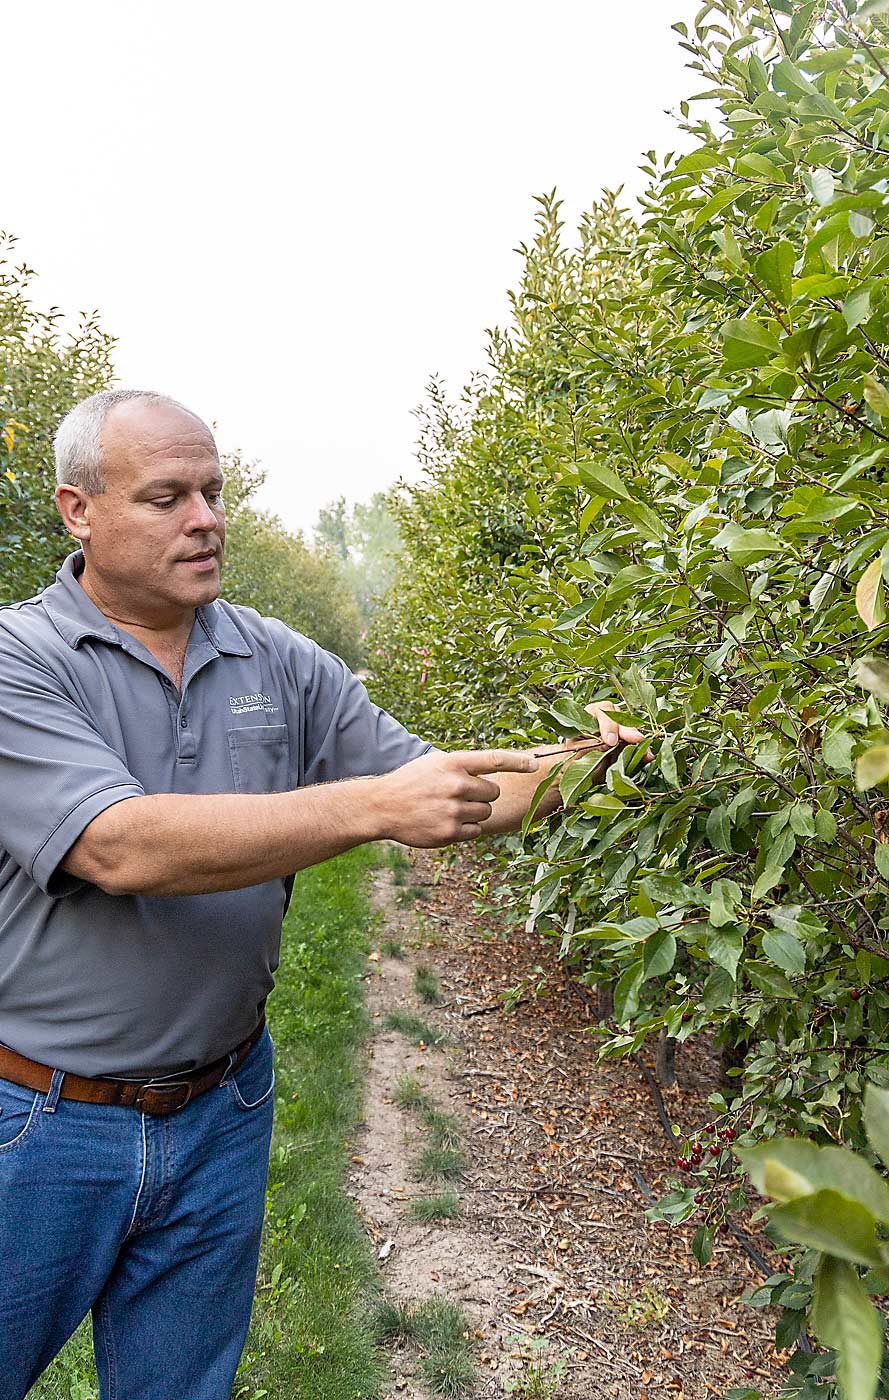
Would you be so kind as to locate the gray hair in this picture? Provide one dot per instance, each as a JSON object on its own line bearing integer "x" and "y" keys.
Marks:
{"x": 78, "y": 440}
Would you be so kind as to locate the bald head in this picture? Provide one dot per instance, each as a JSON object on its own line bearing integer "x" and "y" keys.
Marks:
{"x": 92, "y": 435}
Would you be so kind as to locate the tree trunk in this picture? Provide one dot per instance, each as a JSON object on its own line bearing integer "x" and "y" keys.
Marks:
{"x": 665, "y": 1065}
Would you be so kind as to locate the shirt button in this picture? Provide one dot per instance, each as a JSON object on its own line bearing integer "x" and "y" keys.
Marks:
{"x": 183, "y": 723}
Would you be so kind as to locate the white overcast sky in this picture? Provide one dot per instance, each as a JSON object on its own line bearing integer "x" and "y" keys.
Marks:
{"x": 291, "y": 215}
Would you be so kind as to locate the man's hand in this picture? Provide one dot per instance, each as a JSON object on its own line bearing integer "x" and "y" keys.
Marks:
{"x": 441, "y": 798}
{"x": 609, "y": 729}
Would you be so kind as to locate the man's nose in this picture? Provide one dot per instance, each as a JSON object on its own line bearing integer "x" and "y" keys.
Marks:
{"x": 201, "y": 517}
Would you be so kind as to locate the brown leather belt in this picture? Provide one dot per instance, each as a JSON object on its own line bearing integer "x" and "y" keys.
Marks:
{"x": 154, "y": 1096}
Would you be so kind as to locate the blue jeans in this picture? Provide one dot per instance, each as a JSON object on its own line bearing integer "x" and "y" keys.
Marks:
{"x": 153, "y": 1223}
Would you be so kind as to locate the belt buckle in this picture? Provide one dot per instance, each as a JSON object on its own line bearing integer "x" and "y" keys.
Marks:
{"x": 165, "y": 1096}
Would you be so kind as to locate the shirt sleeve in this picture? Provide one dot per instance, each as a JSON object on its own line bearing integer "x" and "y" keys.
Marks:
{"x": 345, "y": 734}
{"x": 57, "y": 772}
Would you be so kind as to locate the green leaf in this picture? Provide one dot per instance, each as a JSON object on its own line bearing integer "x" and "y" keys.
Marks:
{"x": 644, "y": 521}
{"x": 872, "y": 767}
{"x": 785, "y": 1168}
{"x": 602, "y": 481}
{"x": 747, "y": 546}
{"x": 774, "y": 268}
{"x": 626, "y": 992}
{"x": 876, "y": 1120}
{"x": 667, "y": 763}
{"x": 820, "y": 184}
{"x": 856, "y": 308}
{"x": 658, "y": 953}
{"x": 725, "y": 896}
{"x": 870, "y": 601}
{"x": 716, "y": 203}
{"x": 725, "y": 946}
{"x": 860, "y": 225}
{"x": 785, "y": 951}
{"x": 769, "y": 980}
{"x": 786, "y": 77}
{"x": 728, "y": 582}
{"x": 578, "y": 775}
{"x": 747, "y": 343}
{"x": 836, "y": 748}
{"x": 702, "y": 1245}
{"x": 844, "y": 1319}
{"x": 825, "y": 825}
{"x": 828, "y": 1220}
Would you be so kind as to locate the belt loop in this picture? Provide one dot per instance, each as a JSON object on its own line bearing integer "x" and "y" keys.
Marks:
{"x": 55, "y": 1089}
{"x": 232, "y": 1056}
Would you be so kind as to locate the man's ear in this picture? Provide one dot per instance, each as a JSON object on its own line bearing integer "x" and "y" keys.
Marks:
{"x": 73, "y": 505}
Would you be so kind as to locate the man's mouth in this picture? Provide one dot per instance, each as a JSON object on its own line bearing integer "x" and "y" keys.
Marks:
{"x": 204, "y": 560}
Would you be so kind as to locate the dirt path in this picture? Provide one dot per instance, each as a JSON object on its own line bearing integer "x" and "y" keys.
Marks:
{"x": 551, "y": 1242}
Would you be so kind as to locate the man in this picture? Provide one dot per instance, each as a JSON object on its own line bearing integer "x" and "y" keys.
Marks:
{"x": 167, "y": 762}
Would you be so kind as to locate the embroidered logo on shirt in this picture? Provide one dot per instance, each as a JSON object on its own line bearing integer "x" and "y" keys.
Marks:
{"x": 249, "y": 704}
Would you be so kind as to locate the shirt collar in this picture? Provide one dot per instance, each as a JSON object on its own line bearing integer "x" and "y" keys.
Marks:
{"x": 75, "y": 616}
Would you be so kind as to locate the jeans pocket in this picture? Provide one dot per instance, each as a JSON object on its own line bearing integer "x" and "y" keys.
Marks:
{"x": 252, "y": 1083}
{"x": 19, "y": 1114}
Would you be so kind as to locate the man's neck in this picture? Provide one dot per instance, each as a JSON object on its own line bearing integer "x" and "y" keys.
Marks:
{"x": 168, "y": 629}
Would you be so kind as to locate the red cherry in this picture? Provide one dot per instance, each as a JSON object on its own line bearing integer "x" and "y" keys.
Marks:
{"x": 682, "y": 1163}
{"x": 699, "y": 1198}
{"x": 708, "y": 1128}
{"x": 855, "y": 993}
{"x": 715, "y": 1149}
{"x": 730, "y": 1135}
{"x": 748, "y": 1124}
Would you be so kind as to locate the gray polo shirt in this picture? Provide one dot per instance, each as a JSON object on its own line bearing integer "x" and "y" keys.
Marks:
{"x": 136, "y": 985}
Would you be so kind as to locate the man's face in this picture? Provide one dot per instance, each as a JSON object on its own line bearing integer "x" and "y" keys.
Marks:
{"x": 156, "y": 533}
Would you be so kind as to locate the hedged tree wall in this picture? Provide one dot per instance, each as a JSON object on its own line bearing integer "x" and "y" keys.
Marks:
{"x": 670, "y": 488}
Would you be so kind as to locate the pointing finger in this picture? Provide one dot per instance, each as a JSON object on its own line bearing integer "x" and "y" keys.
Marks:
{"x": 496, "y": 761}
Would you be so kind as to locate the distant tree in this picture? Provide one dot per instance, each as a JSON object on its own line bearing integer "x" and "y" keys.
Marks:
{"x": 276, "y": 572}
{"x": 44, "y": 371}
{"x": 366, "y": 539}
{"x": 331, "y": 530}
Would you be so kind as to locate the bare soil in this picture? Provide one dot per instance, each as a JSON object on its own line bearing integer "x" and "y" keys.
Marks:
{"x": 552, "y": 1241}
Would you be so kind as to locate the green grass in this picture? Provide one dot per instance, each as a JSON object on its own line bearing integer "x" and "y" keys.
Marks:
{"x": 392, "y": 948}
{"x": 409, "y": 894}
{"x": 399, "y": 864}
{"x": 414, "y": 1027}
{"x": 426, "y": 985}
{"x": 443, "y": 1128}
{"x": 429, "y": 1209}
{"x": 442, "y": 1332}
{"x": 410, "y": 1093}
{"x": 392, "y": 1322}
{"x": 311, "y": 1336}
{"x": 439, "y": 1163}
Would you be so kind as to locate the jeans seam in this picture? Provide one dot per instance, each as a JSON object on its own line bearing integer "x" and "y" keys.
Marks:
{"x": 132, "y": 1225}
{"x": 232, "y": 1084}
{"x": 108, "y": 1343}
{"x": 32, "y": 1124}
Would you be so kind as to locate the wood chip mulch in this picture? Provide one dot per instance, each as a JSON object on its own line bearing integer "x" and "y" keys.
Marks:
{"x": 564, "y": 1150}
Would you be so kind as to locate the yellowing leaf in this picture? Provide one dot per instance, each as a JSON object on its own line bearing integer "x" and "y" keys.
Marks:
{"x": 872, "y": 766}
{"x": 9, "y": 437}
{"x": 869, "y": 601}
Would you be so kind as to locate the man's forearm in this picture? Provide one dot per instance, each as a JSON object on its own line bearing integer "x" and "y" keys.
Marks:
{"x": 171, "y": 844}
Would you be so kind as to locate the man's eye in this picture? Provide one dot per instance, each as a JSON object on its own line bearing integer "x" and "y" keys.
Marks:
{"x": 214, "y": 497}
{"x": 166, "y": 503}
